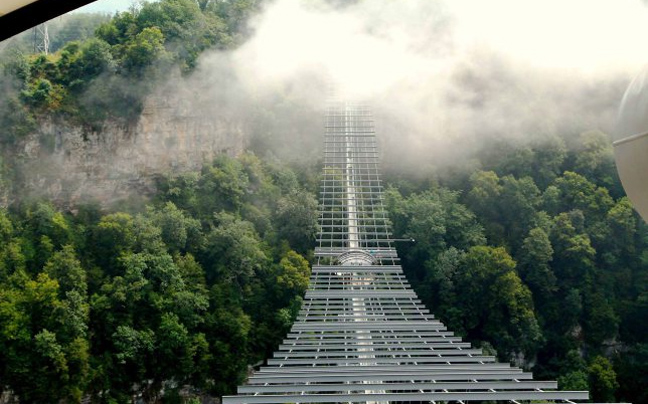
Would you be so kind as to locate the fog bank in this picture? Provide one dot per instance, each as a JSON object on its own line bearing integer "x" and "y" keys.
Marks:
{"x": 443, "y": 76}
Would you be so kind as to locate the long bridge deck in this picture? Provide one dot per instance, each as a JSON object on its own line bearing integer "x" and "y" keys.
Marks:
{"x": 362, "y": 334}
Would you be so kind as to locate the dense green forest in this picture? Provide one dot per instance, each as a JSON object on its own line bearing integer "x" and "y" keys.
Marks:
{"x": 539, "y": 255}
{"x": 533, "y": 253}
{"x": 202, "y": 282}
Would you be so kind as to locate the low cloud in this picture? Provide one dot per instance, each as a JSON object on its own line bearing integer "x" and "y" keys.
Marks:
{"x": 443, "y": 76}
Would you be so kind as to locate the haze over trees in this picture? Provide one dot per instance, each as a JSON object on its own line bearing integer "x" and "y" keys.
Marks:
{"x": 543, "y": 265}
{"x": 108, "y": 74}
{"x": 532, "y": 252}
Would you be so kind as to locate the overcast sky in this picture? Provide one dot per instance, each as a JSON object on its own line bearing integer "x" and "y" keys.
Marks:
{"x": 107, "y": 6}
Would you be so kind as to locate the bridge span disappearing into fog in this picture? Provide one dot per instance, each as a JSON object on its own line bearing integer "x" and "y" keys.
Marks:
{"x": 362, "y": 334}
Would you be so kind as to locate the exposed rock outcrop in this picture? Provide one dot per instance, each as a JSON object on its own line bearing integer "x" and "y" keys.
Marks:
{"x": 70, "y": 164}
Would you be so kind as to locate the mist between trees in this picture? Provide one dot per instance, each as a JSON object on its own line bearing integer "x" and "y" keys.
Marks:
{"x": 493, "y": 137}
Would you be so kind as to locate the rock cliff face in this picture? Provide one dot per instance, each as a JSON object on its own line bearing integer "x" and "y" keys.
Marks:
{"x": 69, "y": 164}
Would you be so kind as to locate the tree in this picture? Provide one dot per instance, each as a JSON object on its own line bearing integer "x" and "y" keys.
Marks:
{"x": 296, "y": 219}
{"x": 600, "y": 321}
{"x": 233, "y": 252}
{"x": 42, "y": 94}
{"x": 113, "y": 236}
{"x": 95, "y": 58}
{"x": 66, "y": 269}
{"x": 179, "y": 232}
{"x": 574, "y": 381}
{"x": 576, "y": 192}
{"x": 44, "y": 220}
{"x": 146, "y": 48}
{"x": 41, "y": 359}
{"x": 440, "y": 292}
{"x": 632, "y": 372}
{"x": 549, "y": 156}
{"x": 535, "y": 257}
{"x": 436, "y": 221}
{"x": 573, "y": 253}
{"x": 595, "y": 158}
{"x": 618, "y": 238}
{"x": 485, "y": 188}
{"x": 181, "y": 190}
{"x": 6, "y": 227}
{"x": 222, "y": 186}
{"x": 519, "y": 200}
{"x": 602, "y": 380}
{"x": 575, "y": 374}
{"x": 80, "y": 63}
{"x": 292, "y": 278}
{"x": 496, "y": 304}
{"x": 422, "y": 218}
{"x": 187, "y": 29}
{"x": 73, "y": 315}
{"x": 483, "y": 199}
{"x": 229, "y": 328}
{"x": 146, "y": 319}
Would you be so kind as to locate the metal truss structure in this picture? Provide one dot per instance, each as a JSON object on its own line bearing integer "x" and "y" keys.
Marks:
{"x": 40, "y": 39}
{"x": 362, "y": 334}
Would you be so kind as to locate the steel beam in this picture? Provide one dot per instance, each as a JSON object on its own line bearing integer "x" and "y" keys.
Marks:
{"x": 431, "y": 396}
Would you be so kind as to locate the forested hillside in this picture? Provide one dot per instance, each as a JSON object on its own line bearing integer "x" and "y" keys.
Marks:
{"x": 190, "y": 290}
{"x": 529, "y": 249}
{"x": 107, "y": 75}
{"x": 539, "y": 255}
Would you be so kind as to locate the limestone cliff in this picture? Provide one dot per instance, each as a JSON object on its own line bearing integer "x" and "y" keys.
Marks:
{"x": 69, "y": 164}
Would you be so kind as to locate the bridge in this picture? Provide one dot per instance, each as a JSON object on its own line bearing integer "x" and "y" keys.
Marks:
{"x": 362, "y": 334}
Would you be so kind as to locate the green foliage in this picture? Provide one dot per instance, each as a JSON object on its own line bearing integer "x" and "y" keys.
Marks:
{"x": 234, "y": 248}
{"x": 44, "y": 352}
{"x": 536, "y": 253}
{"x": 6, "y": 227}
{"x": 79, "y": 64}
{"x": 507, "y": 206}
{"x": 113, "y": 304}
{"x": 179, "y": 232}
{"x": 574, "y": 381}
{"x": 296, "y": 219}
{"x": 41, "y": 94}
{"x": 146, "y": 48}
{"x": 535, "y": 263}
{"x": 565, "y": 255}
{"x": 293, "y": 275}
{"x": 495, "y": 304}
{"x": 595, "y": 158}
{"x": 114, "y": 69}
{"x": 632, "y": 374}
{"x": 16, "y": 118}
{"x": 66, "y": 269}
{"x": 227, "y": 182}
{"x": 602, "y": 380}
{"x": 436, "y": 221}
